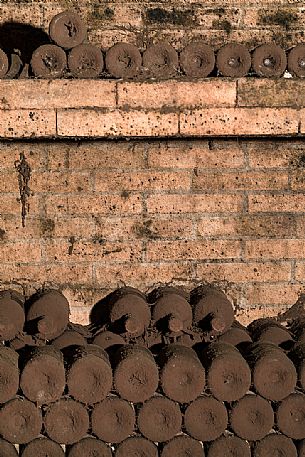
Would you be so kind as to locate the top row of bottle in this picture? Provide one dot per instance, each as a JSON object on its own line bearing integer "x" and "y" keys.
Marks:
{"x": 67, "y": 55}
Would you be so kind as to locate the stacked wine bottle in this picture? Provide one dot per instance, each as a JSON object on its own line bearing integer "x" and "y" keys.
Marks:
{"x": 168, "y": 374}
{"x": 69, "y": 55}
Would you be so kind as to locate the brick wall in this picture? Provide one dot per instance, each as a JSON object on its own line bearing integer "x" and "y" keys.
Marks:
{"x": 145, "y": 213}
{"x": 250, "y": 22}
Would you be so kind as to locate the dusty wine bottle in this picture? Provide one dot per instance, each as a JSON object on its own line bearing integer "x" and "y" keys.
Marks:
{"x": 67, "y": 29}
{"x": 159, "y": 419}
{"x": 228, "y": 446}
{"x": 135, "y": 373}
{"x": 233, "y": 60}
{"x": 66, "y": 421}
{"x": 9, "y": 374}
{"x": 182, "y": 446}
{"x": 123, "y": 60}
{"x": 275, "y": 444}
{"x": 172, "y": 313}
{"x": 42, "y": 378}
{"x": 89, "y": 447}
{"x": 20, "y": 421}
{"x": 136, "y": 445}
{"x": 113, "y": 419}
{"x": 42, "y": 447}
{"x": 212, "y": 310}
{"x": 86, "y": 61}
{"x": 270, "y": 331}
{"x": 8, "y": 449}
{"x": 290, "y": 416}
{"x": 297, "y": 328}
{"x": 49, "y": 61}
{"x": 206, "y": 418}
{"x": 273, "y": 373}
{"x": 197, "y": 59}
{"x": 69, "y": 338}
{"x": 106, "y": 340}
{"x": 296, "y": 61}
{"x": 269, "y": 60}
{"x": 129, "y": 312}
{"x": 297, "y": 355}
{"x": 160, "y": 60}
{"x": 251, "y": 417}
{"x": 48, "y": 315}
{"x": 11, "y": 314}
{"x": 236, "y": 336}
{"x": 88, "y": 374}
{"x": 228, "y": 374}
{"x": 4, "y": 65}
{"x": 182, "y": 376}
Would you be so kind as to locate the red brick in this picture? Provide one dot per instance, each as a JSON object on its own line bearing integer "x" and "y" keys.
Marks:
{"x": 302, "y": 118}
{"x": 106, "y": 155}
{"x": 264, "y": 154}
{"x": 9, "y": 182}
{"x": 300, "y": 271}
{"x": 245, "y": 272}
{"x": 247, "y": 315}
{"x": 60, "y": 182}
{"x": 275, "y": 249}
{"x": 277, "y": 203}
{"x": 142, "y": 181}
{"x": 115, "y": 123}
{"x": 144, "y": 274}
{"x": 79, "y": 315}
{"x": 57, "y": 93}
{"x": 297, "y": 180}
{"x": 165, "y": 228}
{"x": 277, "y": 225}
{"x": 239, "y": 121}
{"x": 10, "y": 204}
{"x": 179, "y": 94}
{"x": 125, "y": 14}
{"x": 300, "y": 226}
{"x": 240, "y": 180}
{"x": 20, "y": 251}
{"x": 122, "y": 228}
{"x": 105, "y": 38}
{"x": 270, "y": 93}
{"x": 196, "y": 153}
{"x": 27, "y": 124}
{"x": 11, "y": 228}
{"x": 94, "y": 204}
{"x": 25, "y": 13}
{"x": 273, "y": 294}
{"x": 193, "y": 250}
{"x": 10, "y": 153}
{"x": 71, "y": 226}
{"x": 52, "y": 273}
{"x": 190, "y": 203}
{"x": 87, "y": 251}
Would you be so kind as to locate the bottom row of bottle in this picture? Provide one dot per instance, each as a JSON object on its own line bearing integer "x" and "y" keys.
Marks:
{"x": 182, "y": 445}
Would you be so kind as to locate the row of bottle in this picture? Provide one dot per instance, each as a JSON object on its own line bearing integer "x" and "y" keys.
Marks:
{"x": 125, "y": 311}
{"x": 182, "y": 445}
{"x": 161, "y": 60}
{"x": 68, "y": 32}
{"x": 159, "y": 419}
{"x": 126, "y": 315}
{"x": 88, "y": 374}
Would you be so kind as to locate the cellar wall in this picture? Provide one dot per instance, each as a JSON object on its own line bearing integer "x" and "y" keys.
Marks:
{"x": 179, "y": 21}
{"x": 144, "y": 212}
